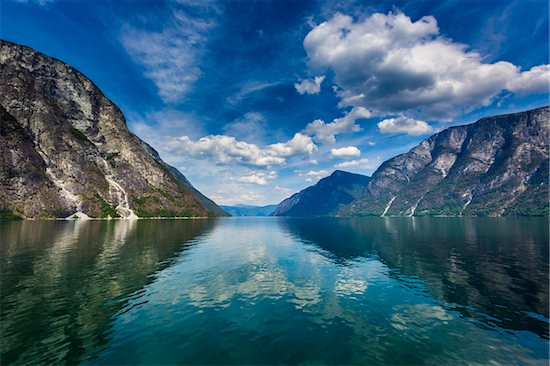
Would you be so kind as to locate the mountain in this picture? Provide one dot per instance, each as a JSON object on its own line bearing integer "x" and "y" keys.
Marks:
{"x": 496, "y": 166}
{"x": 65, "y": 149}
{"x": 326, "y": 197}
{"x": 244, "y": 210}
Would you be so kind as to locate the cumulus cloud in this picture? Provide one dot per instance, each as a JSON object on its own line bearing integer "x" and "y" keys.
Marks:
{"x": 392, "y": 65}
{"x": 310, "y": 86}
{"x": 406, "y": 125}
{"x": 260, "y": 178}
{"x": 345, "y": 152}
{"x": 231, "y": 198}
{"x": 325, "y": 132}
{"x": 170, "y": 57}
{"x": 360, "y": 163}
{"x": 535, "y": 80}
{"x": 227, "y": 149}
{"x": 314, "y": 175}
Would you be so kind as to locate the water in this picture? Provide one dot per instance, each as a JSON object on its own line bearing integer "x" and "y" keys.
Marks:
{"x": 275, "y": 291}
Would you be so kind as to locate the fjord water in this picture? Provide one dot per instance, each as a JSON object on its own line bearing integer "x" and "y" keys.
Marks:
{"x": 275, "y": 291}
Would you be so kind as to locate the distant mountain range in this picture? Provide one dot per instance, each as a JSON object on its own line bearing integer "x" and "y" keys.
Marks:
{"x": 244, "y": 210}
{"x": 65, "y": 150}
{"x": 497, "y": 166}
{"x": 326, "y": 197}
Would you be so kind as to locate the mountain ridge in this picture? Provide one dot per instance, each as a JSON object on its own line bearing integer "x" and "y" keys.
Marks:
{"x": 324, "y": 198}
{"x": 67, "y": 151}
{"x": 496, "y": 166}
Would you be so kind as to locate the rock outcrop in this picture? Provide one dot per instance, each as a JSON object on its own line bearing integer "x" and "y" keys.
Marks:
{"x": 324, "y": 198}
{"x": 497, "y": 166}
{"x": 65, "y": 149}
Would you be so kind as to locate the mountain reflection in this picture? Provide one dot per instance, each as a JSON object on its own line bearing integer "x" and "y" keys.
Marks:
{"x": 62, "y": 282}
{"x": 275, "y": 291}
{"x": 492, "y": 269}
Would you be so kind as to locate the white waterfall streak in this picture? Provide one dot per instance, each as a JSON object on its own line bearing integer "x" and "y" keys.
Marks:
{"x": 123, "y": 206}
{"x": 70, "y": 197}
{"x": 388, "y": 206}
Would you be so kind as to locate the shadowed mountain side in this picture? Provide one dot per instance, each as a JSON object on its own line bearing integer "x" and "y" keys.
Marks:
{"x": 324, "y": 198}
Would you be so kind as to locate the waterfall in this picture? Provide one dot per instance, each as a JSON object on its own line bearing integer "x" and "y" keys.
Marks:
{"x": 413, "y": 208}
{"x": 69, "y": 197}
{"x": 123, "y": 206}
{"x": 388, "y": 206}
{"x": 466, "y": 205}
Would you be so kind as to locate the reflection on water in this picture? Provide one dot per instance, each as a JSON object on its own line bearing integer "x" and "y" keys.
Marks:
{"x": 494, "y": 265}
{"x": 62, "y": 282}
{"x": 276, "y": 291}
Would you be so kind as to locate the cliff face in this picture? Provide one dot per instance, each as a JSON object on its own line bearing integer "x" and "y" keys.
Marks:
{"x": 65, "y": 149}
{"x": 495, "y": 167}
{"x": 324, "y": 198}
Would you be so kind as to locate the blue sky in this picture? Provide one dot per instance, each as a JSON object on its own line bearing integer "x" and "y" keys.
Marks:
{"x": 253, "y": 101}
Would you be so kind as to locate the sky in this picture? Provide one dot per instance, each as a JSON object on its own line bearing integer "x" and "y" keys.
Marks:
{"x": 255, "y": 100}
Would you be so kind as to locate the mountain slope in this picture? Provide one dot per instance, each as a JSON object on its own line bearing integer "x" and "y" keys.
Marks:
{"x": 495, "y": 167}
{"x": 244, "y": 210}
{"x": 66, "y": 149}
{"x": 324, "y": 198}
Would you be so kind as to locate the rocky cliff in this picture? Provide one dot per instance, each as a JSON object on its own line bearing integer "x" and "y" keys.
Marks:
{"x": 324, "y": 198}
{"x": 497, "y": 166}
{"x": 65, "y": 149}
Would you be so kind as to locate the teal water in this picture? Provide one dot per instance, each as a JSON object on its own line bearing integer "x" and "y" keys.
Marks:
{"x": 275, "y": 291}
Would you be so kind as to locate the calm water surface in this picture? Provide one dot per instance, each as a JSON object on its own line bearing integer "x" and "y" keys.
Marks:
{"x": 275, "y": 291}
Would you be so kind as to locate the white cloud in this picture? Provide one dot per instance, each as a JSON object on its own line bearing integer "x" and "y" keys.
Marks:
{"x": 171, "y": 55}
{"x": 535, "y": 80}
{"x": 253, "y": 125}
{"x": 360, "y": 164}
{"x": 345, "y": 152}
{"x": 284, "y": 191}
{"x": 248, "y": 89}
{"x": 315, "y": 175}
{"x": 390, "y": 64}
{"x": 165, "y": 122}
{"x": 406, "y": 125}
{"x": 260, "y": 178}
{"x": 325, "y": 132}
{"x": 231, "y": 198}
{"x": 227, "y": 149}
{"x": 310, "y": 86}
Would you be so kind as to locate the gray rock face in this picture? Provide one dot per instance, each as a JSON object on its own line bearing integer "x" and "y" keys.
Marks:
{"x": 65, "y": 149}
{"x": 324, "y": 198}
{"x": 497, "y": 166}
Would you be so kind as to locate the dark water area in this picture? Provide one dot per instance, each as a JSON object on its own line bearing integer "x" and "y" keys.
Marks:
{"x": 275, "y": 291}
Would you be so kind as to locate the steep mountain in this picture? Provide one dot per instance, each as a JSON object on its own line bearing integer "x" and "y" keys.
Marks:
{"x": 65, "y": 149}
{"x": 245, "y": 210}
{"x": 326, "y": 197}
{"x": 496, "y": 166}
